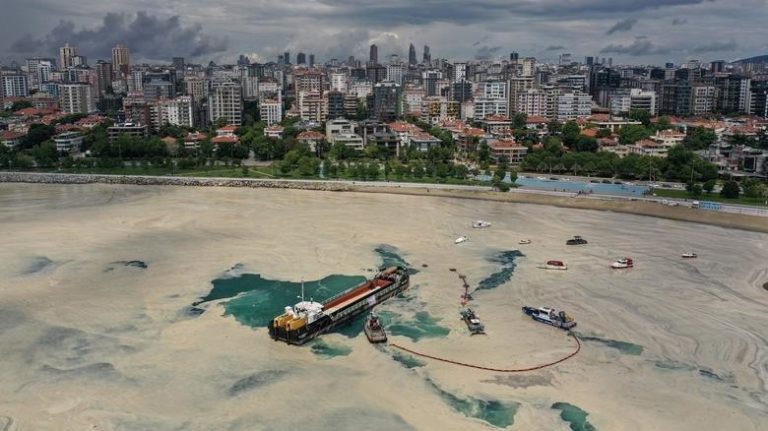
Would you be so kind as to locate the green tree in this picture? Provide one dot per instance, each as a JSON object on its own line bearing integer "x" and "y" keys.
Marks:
{"x": 709, "y": 185}
{"x": 632, "y": 133}
{"x": 585, "y": 144}
{"x": 640, "y": 115}
{"x": 45, "y": 154}
{"x": 520, "y": 120}
{"x": 571, "y": 134}
{"x": 37, "y": 134}
{"x": 20, "y": 104}
{"x": 603, "y": 133}
{"x": 699, "y": 138}
{"x": 730, "y": 190}
{"x": 695, "y": 190}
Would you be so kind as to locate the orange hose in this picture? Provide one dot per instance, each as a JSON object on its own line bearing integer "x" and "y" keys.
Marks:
{"x": 498, "y": 370}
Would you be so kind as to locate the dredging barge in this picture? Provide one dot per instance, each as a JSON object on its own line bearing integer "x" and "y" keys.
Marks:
{"x": 308, "y": 319}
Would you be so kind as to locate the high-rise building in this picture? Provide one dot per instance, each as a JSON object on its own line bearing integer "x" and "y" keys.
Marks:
{"x": 105, "y": 75}
{"x": 339, "y": 82}
{"x": 66, "y": 53}
{"x": 311, "y": 60}
{"x": 225, "y": 101}
{"x": 76, "y": 99}
{"x": 14, "y": 85}
{"x": 301, "y": 58}
{"x": 178, "y": 111}
{"x": 427, "y": 56}
{"x": 412, "y": 55}
{"x": 431, "y": 77}
{"x": 717, "y": 66}
{"x": 334, "y": 105}
{"x": 197, "y": 88}
{"x": 178, "y": 63}
{"x": 386, "y": 102}
{"x": 395, "y": 73}
{"x": 529, "y": 66}
{"x": 39, "y": 71}
{"x": 373, "y": 56}
{"x": 287, "y": 57}
{"x": 271, "y": 111}
{"x": 513, "y": 57}
{"x": 121, "y": 62}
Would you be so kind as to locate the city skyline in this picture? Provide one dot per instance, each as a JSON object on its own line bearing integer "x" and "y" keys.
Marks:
{"x": 652, "y": 33}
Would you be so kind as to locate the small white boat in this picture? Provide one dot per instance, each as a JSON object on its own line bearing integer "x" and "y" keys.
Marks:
{"x": 623, "y": 263}
{"x": 554, "y": 264}
{"x": 461, "y": 239}
{"x": 480, "y": 224}
{"x": 542, "y": 178}
{"x": 690, "y": 255}
{"x": 524, "y": 241}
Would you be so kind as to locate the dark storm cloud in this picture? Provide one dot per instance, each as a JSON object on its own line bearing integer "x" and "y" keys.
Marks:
{"x": 679, "y": 21}
{"x": 640, "y": 47}
{"x": 555, "y": 48}
{"x": 715, "y": 47}
{"x": 148, "y": 37}
{"x": 486, "y": 52}
{"x": 623, "y": 25}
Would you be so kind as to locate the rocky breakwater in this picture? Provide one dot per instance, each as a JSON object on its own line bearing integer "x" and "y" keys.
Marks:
{"x": 140, "y": 180}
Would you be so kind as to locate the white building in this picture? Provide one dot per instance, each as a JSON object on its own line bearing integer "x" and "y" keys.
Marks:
{"x": 76, "y": 99}
{"x": 337, "y": 127}
{"x": 15, "y": 85}
{"x": 271, "y": 111}
{"x": 177, "y": 112}
{"x": 361, "y": 89}
{"x": 493, "y": 90}
{"x": 572, "y": 105}
{"x": 225, "y": 101}
{"x": 624, "y": 102}
{"x": 486, "y": 107}
{"x": 395, "y": 73}
{"x": 339, "y": 82}
{"x": 68, "y": 142}
{"x": 66, "y": 55}
{"x": 197, "y": 88}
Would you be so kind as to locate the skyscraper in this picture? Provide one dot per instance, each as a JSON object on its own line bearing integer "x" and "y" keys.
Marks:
{"x": 178, "y": 63}
{"x": 301, "y": 58}
{"x": 513, "y": 57}
{"x": 412, "y": 55}
{"x": 104, "y": 73}
{"x": 121, "y": 60}
{"x": 373, "y": 57}
{"x": 66, "y": 53}
{"x": 311, "y": 60}
{"x": 287, "y": 57}
{"x": 427, "y": 55}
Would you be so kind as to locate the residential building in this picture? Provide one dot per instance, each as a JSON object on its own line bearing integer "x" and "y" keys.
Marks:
{"x": 76, "y": 99}
{"x": 311, "y": 138}
{"x": 338, "y": 126}
{"x": 572, "y": 105}
{"x": 395, "y": 73}
{"x": 105, "y": 76}
{"x": 271, "y": 111}
{"x": 121, "y": 60}
{"x": 423, "y": 141}
{"x": 66, "y": 54}
{"x": 339, "y": 82}
{"x": 334, "y": 105}
{"x": 178, "y": 111}
{"x": 497, "y": 125}
{"x": 14, "y": 84}
{"x": 435, "y": 110}
{"x": 130, "y": 129}
{"x": 509, "y": 149}
{"x": 311, "y": 106}
{"x": 273, "y": 132}
{"x": 68, "y": 142}
{"x": 386, "y": 103}
{"x": 225, "y": 102}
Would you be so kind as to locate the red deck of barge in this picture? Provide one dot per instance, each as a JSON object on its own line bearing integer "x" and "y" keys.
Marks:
{"x": 365, "y": 288}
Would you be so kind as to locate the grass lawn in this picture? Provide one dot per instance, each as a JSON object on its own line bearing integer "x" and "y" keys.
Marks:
{"x": 713, "y": 197}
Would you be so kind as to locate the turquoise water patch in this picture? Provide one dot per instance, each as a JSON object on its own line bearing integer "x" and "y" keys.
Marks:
{"x": 408, "y": 361}
{"x": 423, "y": 326}
{"x": 576, "y": 417}
{"x": 327, "y": 350}
{"x": 36, "y": 264}
{"x": 506, "y": 259}
{"x": 621, "y": 346}
{"x": 673, "y": 365}
{"x": 390, "y": 256}
{"x": 496, "y": 413}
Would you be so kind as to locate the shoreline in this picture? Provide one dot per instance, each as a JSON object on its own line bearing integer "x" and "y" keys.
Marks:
{"x": 649, "y": 208}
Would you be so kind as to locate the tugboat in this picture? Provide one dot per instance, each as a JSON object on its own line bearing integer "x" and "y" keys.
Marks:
{"x": 554, "y": 264}
{"x": 623, "y": 263}
{"x": 373, "y": 329}
{"x": 472, "y": 321}
{"x": 461, "y": 239}
{"x": 690, "y": 255}
{"x": 576, "y": 240}
{"x": 550, "y": 316}
{"x": 481, "y": 224}
{"x": 524, "y": 241}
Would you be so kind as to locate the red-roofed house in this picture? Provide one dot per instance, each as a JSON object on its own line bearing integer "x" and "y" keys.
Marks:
{"x": 466, "y": 137}
{"x": 648, "y": 147}
{"x": 497, "y": 125}
{"x": 228, "y": 130}
{"x": 11, "y": 139}
{"x": 193, "y": 140}
{"x": 217, "y": 140}
{"x": 274, "y": 131}
{"x": 311, "y": 138}
{"x": 423, "y": 141}
{"x": 508, "y": 148}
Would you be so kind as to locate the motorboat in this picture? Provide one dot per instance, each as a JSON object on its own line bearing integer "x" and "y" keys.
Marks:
{"x": 576, "y": 240}
{"x": 690, "y": 255}
{"x": 480, "y": 224}
{"x": 473, "y": 322}
{"x": 550, "y": 316}
{"x": 461, "y": 239}
{"x": 554, "y": 264}
{"x": 524, "y": 241}
{"x": 542, "y": 178}
{"x": 623, "y": 263}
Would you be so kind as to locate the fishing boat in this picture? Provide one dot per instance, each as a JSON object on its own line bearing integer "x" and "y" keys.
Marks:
{"x": 473, "y": 322}
{"x": 373, "y": 329}
{"x": 524, "y": 241}
{"x": 308, "y": 319}
{"x": 480, "y": 224}
{"x": 623, "y": 263}
{"x": 461, "y": 239}
{"x": 550, "y": 316}
{"x": 576, "y": 240}
{"x": 554, "y": 264}
{"x": 690, "y": 255}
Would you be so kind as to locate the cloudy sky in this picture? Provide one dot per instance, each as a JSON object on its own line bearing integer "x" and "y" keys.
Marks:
{"x": 630, "y": 31}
